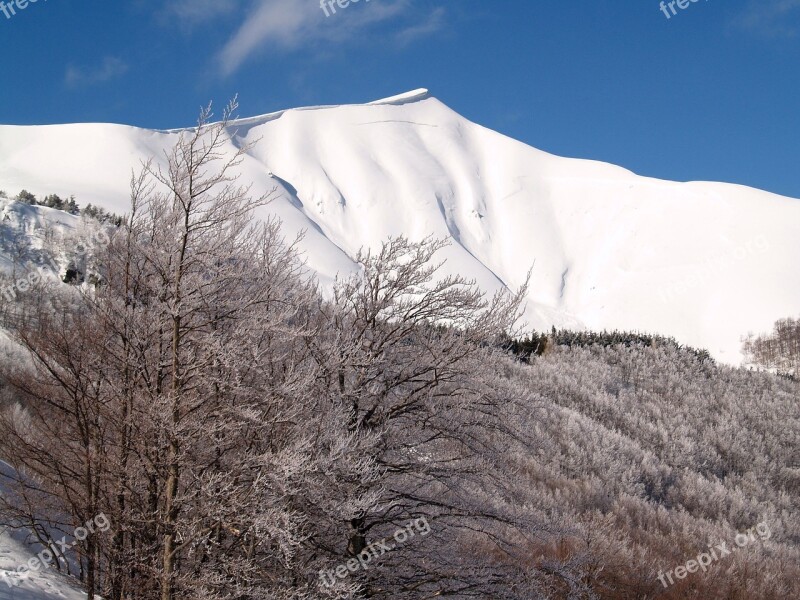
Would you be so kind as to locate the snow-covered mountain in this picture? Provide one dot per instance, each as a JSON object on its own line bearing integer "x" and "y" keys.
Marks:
{"x": 704, "y": 262}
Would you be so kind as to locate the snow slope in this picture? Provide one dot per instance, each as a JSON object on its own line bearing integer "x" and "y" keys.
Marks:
{"x": 42, "y": 585}
{"x": 704, "y": 262}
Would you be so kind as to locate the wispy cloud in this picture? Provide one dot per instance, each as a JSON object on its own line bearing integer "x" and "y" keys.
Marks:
{"x": 289, "y": 25}
{"x": 770, "y": 18}
{"x": 110, "y": 68}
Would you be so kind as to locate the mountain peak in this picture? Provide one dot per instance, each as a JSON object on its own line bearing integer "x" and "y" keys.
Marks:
{"x": 398, "y": 100}
{"x": 405, "y": 98}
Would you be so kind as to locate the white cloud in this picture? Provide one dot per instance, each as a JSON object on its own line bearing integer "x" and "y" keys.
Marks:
{"x": 110, "y": 68}
{"x": 289, "y": 25}
{"x": 283, "y": 22}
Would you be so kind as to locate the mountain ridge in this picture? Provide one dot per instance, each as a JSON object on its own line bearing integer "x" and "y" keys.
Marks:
{"x": 703, "y": 262}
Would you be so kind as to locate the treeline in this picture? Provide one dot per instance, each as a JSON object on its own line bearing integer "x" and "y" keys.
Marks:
{"x": 537, "y": 344}
{"x": 68, "y": 205}
{"x": 778, "y": 350}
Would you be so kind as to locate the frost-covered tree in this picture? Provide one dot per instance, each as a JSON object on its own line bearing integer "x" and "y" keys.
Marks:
{"x": 411, "y": 355}
{"x": 778, "y": 350}
{"x": 214, "y": 305}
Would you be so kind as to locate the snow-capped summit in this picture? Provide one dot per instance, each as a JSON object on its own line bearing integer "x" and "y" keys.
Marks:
{"x": 704, "y": 262}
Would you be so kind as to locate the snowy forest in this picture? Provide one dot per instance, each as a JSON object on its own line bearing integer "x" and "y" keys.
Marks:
{"x": 248, "y": 435}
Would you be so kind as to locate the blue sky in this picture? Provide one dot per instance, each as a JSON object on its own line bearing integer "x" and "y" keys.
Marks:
{"x": 710, "y": 93}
